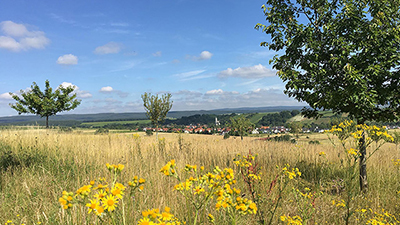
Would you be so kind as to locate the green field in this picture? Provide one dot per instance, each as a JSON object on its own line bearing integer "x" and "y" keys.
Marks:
{"x": 103, "y": 123}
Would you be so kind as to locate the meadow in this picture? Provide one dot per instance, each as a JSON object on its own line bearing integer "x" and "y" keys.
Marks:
{"x": 170, "y": 179}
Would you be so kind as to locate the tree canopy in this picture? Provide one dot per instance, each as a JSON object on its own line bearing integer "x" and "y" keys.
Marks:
{"x": 242, "y": 125}
{"x": 340, "y": 55}
{"x": 45, "y": 103}
{"x": 157, "y": 107}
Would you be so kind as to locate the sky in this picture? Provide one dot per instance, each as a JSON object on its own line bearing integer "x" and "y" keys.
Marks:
{"x": 206, "y": 53}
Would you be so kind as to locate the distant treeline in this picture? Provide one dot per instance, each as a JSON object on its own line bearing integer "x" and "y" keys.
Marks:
{"x": 277, "y": 119}
{"x": 208, "y": 119}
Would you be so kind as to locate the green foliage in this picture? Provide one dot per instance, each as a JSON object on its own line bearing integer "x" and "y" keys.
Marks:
{"x": 315, "y": 142}
{"x": 66, "y": 129}
{"x": 277, "y": 119}
{"x": 226, "y": 135}
{"x": 157, "y": 107}
{"x": 102, "y": 131}
{"x": 45, "y": 103}
{"x": 341, "y": 55}
{"x": 285, "y": 137}
{"x": 149, "y": 132}
{"x": 10, "y": 160}
{"x": 241, "y": 125}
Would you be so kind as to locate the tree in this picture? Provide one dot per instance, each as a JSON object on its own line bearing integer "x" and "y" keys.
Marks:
{"x": 157, "y": 107}
{"x": 242, "y": 125}
{"x": 46, "y": 103}
{"x": 340, "y": 55}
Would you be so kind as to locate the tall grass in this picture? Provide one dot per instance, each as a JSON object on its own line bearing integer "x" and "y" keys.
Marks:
{"x": 37, "y": 165}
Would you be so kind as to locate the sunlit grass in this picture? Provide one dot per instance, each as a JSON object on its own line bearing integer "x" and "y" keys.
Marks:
{"x": 47, "y": 162}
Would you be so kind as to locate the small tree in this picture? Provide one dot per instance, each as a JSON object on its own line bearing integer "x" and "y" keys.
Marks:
{"x": 157, "y": 108}
{"x": 340, "y": 55}
{"x": 46, "y": 103}
{"x": 242, "y": 125}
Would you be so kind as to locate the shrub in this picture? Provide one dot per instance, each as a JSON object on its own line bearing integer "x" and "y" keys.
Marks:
{"x": 102, "y": 131}
{"x": 149, "y": 132}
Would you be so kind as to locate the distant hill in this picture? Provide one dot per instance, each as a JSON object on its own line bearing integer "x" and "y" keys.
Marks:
{"x": 76, "y": 119}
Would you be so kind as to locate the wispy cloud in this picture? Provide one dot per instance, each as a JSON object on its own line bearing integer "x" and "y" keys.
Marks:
{"x": 62, "y": 19}
{"x": 192, "y": 75}
{"x": 109, "y": 48}
{"x": 119, "y": 24}
{"x": 123, "y": 66}
{"x": 253, "y": 72}
{"x": 157, "y": 54}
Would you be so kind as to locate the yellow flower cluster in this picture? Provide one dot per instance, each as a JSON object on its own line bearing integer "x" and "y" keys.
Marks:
{"x": 201, "y": 187}
{"x": 396, "y": 162}
{"x": 244, "y": 161}
{"x": 340, "y": 203}
{"x": 248, "y": 167}
{"x": 169, "y": 168}
{"x": 374, "y": 133}
{"x": 228, "y": 199}
{"x": 115, "y": 168}
{"x": 295, "y": 220}
{"x": 153, "y": 217}
{"x": 291, "y": 173}
{"x": 353, "y": 152}
{"x": 306, "y": 194}
{"x": 67, "y": 200}
{"x": 383, "y": 218}
{"x": 101, "y": 197}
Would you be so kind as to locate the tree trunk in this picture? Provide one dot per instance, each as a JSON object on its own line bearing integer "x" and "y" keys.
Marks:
{"x": 47, "y": 122}
{"x": 157, "y": 132}
{"x": 241, "y": 136}
{"x": 363, "y": 164}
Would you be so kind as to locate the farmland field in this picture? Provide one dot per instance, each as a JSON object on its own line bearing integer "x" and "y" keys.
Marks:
{"x": 37, "y": 165}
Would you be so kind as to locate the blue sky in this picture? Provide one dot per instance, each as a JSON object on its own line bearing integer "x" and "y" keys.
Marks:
{"x": 205, "y": 53}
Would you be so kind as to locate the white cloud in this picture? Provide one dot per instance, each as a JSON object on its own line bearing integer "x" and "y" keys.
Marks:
{"x": 215, "y": 92}
{"x": 106, "y": 89}
{"x": 109, "y": 48}
{"x": 79, "y": 93}
{"x": 5, "y": 96}
{"x": 252, "y": 72}
{"x": 157, "y": 54}
{"x": 18, "y": 37}
{"x": 10, "y": 44}
{"x": 14, "y": 29}
{"x": 67, "y": 59}
{"x": 204, "y": 55}
{"x": 83, "y": 94}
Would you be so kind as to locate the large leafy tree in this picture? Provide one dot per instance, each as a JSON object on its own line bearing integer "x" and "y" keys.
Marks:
{"x": 340, "y": 55}
{"x": 157, "y": 107}
{"x": 45, "y": 103}
{"x": 241, "y": 125}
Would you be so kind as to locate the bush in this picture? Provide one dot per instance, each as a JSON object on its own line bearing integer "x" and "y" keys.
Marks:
{"x": 149, "y": 132}
{"x": 66, "y": 129}
{"x": 316, "y": 142}
{"x": 226, "y": 135}
{"x": 102, "y": 131}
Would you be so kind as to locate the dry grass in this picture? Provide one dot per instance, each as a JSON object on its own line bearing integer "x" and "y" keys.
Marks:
{"x": 66, "y": 161}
